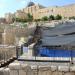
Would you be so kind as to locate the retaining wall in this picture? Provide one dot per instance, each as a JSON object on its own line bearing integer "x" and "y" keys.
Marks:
{"x": 25, "y": 69}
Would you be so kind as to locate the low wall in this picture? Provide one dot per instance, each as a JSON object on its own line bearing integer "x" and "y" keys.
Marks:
{"x": 25, "y": 69}
{"x": 7, "y": 52}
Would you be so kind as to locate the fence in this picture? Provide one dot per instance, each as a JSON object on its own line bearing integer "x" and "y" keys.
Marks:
{"x": 56, "y": 53}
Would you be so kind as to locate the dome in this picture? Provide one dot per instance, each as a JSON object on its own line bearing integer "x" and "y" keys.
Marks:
{"x": 30, "y": 4}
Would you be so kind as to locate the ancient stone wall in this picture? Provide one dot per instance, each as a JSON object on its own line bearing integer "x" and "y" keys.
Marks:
{"x": 24, "y": 69}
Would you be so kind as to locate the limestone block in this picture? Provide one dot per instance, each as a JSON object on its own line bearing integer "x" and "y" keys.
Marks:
{"x": 6, "y": 71}
{"x": 24, "y": 66}
{"x": 34, "y": 66}
{"x": 1, "y": 71}
{"x": 22, "y": 72}
{"x": 30, "y": 71}
{"x": 53, "y": 68}
{"x": 57, "y": 73}
{"x": 15, "y": 66}
{"x": 44, "y": 72}
{"x": 44, "y": 68}
{"x": 63, "y": 68}
{"x": 72, "y": 68}
{"x": 69, "y": 73}
{"x": 14, "y": 72}
{"x": 34, "y": 69}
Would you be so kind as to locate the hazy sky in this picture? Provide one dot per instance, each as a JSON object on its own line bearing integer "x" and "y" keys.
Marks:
{"x": 13, "y": 5}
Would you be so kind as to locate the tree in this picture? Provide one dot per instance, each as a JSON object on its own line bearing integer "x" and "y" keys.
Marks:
{"x": 58, "y": 17}
{"x": 19, "y": 20}
{"x": 73, "y": 17}
{"x": 36, "y": 20}
{"x": 45, "y": 18}
{"x": 30, "y": 17}
{"x": 51, "y": 17}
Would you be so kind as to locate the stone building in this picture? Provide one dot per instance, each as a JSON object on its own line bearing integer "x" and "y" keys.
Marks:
{"x": 20, "y": 14}
{"x": 38, "y": 11}
{"x": 9, "y": 17}
{"x": 32, "y": 9}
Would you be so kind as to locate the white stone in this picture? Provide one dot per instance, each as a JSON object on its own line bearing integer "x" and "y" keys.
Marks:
{"x": 14, "y": 66}
{"x": 63, "y": 68}
{"x": 14, "y": 72}
{"x": 69, "y": 73}
{"x": 6, "y": 71}
{"x": 1, "y": 71}
{"x": 53, "y": 68}
{"x": 44, "y": 68}
{"x": 72, "y": 68}
{"x": 22, "y": 72}
{"x": 57, "y": 73}
{"x": 34, "y": 66}
{"x": 25, "y": 67}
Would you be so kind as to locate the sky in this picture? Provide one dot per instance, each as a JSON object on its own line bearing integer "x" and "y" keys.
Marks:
{"x": 13, "y": 5}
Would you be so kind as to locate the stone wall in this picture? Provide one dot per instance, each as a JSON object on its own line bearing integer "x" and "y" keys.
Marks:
{"x": 6, "y": 53}
{"x": 8, "y": 37}
{"x": 24, "y": 69}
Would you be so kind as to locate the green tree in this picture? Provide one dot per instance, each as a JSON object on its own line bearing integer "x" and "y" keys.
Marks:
{"x": 58, "y": 17}
{"x": 19, "y": 20}
{"x": 45, "y": 18}
{"x": 73, "y": 17}
{"x": 36, "y": 20}
{"x": 51, "y": 17}
{"x": 30, "y": 17}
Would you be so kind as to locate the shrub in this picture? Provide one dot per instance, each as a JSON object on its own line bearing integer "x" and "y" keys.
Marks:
{"x": 58, "y": 17}
{"x": 73, "y": 17}
{"x": 45, "y": 18}
{"x": 51, "y": 17}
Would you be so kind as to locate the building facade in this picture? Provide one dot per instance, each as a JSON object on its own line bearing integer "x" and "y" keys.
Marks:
{"x": 9, "y": 17}
{"x": 20, "y": 14}
{"x": 38, "y": 11}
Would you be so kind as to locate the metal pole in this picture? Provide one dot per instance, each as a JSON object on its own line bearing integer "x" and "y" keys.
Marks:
{"x": 71, "y": 58}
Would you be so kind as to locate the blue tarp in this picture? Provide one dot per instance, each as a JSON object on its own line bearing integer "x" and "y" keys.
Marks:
{"x": 56, "y": 53}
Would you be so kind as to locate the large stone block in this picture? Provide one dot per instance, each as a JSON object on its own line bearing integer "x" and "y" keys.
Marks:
{"x": 15, "y": 66}
{"x": 53, "y": 68}
{"x": 57, "y": 73}
{"x": 72, "y": 68}
{"x": 63, "y": 68}
{"x": 34, "y": 69}
{"x": 69, "y": 73}
{"x": 14, "y": 72}
{"x": 22, "y": 72}
{"x": 44, "y": 68}
{"x": 1, "y": 71}
{"x": 6, "y": 71}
